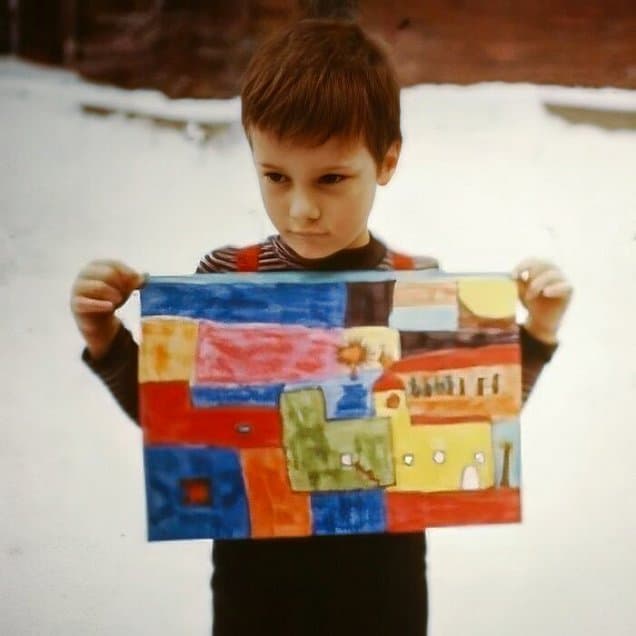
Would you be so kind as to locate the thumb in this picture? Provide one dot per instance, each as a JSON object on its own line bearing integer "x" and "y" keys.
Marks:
{"x": 139, "y": 279}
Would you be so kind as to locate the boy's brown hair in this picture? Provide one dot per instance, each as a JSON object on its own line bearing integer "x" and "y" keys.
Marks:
{"x": 321, "y": 78}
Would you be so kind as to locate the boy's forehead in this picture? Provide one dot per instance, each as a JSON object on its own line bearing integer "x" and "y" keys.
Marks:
{"x": 267, "y": 146}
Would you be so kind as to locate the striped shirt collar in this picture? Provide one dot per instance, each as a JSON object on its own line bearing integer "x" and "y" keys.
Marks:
{"x": 368, "y": 256}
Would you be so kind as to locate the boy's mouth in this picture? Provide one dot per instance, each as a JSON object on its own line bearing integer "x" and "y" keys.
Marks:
{"x": 308, "y": 234}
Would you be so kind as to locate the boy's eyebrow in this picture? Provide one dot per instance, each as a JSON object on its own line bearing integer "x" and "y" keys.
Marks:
{"x": 326, "y": 169}
{"x": 343, "y": 166}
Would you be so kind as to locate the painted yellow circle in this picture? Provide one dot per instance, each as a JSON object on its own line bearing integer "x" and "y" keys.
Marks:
{"x": 488, "y": 297}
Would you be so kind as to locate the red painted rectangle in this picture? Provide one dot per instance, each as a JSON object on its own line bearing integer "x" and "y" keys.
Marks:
{"x": 459, "y": 358}
{"x": 408, "y": 512}
{"x": 168, "y": 417}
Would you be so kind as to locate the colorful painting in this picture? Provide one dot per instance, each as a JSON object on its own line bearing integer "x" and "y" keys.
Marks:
{"x": 305, "y": 403}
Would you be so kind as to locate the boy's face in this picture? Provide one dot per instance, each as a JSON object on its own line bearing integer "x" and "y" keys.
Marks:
{"x": 319, "y": 198}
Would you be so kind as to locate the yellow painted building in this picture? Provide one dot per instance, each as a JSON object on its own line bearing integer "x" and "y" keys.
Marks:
{"x": 434, "y": 457}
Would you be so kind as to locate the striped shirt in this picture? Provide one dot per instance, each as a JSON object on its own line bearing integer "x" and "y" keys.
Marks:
{"x": 273, "y": 255}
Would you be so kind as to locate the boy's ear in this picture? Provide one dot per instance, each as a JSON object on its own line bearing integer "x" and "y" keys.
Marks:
{"x": 389, "y": 163}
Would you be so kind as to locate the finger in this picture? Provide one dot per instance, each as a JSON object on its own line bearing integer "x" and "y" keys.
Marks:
{"x": 114, "y": 263}
{"x": 101, "y": 271}
{"x": 530, "y": 268}
{"x": 145, "y": 277}
{"x": 84, "y": 305}
{"x": 524, "y": 267}
{"x": 132, "y": 278}
{"x": 117, "y": 273}
{"x": 542, "y": 280}
{"x": 558, "y": 290}
{"x": 97, "y": 289}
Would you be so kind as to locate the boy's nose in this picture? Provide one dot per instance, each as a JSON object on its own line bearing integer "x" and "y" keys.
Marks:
{"x": 302, "y": 207}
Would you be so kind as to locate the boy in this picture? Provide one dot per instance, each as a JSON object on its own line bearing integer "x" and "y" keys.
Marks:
{"x": 321, "y": 112}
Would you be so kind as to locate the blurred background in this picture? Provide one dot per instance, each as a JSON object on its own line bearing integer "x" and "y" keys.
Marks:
{"x": 120, "y": 137}
{"x": 198, "y": 48}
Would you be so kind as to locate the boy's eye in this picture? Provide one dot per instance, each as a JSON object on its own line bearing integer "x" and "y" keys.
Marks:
{"x": 331, "y": 179}
{"x": 275, "y": 177}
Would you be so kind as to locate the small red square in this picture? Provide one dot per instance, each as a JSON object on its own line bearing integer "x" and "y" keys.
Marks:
{"x": 196, "y": 492}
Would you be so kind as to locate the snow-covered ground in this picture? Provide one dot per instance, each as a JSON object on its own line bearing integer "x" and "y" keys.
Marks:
{"x": 487, "y": 177}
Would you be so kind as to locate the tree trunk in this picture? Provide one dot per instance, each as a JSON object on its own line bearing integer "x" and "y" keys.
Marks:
{"x": 505, "y": 472}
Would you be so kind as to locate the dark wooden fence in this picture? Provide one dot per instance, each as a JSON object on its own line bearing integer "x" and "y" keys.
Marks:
{"x": 199, "y": 48}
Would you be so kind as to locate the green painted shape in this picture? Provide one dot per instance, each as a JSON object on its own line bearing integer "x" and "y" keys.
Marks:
{"x": 314, "y": 446}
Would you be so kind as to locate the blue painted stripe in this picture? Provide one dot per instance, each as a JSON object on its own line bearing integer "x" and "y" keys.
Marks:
{"x": 435, "y": 318}
{"x": 312, "y": 305}
{"x": 246, "y": 395}
{"x": 280, "y": 277}
{"x": 360, "y": 276}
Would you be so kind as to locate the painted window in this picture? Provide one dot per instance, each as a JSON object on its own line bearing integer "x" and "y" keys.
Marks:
{"x": 408, "y": 459}
{"x": 439, "y": 456}
{"x": 393, "y": 401}
{"x": 346, "y": 459}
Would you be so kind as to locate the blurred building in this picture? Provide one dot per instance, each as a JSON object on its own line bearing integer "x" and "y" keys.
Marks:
{"x": 199, "y": 48}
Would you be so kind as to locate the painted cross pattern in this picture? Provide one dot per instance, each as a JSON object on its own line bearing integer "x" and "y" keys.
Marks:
{"x": 296, "y": 404}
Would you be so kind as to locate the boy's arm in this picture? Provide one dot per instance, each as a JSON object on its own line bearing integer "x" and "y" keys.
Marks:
{"x": 118, "y": 368}
{"x": 545, "y": 293}
{"x": 118, "y": 371}
{"x": 534, "y": 356}
{"x": 99, "y": 289}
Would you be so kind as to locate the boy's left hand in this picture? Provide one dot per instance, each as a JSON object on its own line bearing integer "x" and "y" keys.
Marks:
{"x": 545, "y": 293}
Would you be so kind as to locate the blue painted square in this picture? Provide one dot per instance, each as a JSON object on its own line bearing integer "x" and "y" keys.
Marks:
{"x": 351, "y": 512}
{"x": 227, "y": 514}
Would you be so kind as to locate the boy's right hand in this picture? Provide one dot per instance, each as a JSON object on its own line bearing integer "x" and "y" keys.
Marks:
{"x": 99, "y": 289}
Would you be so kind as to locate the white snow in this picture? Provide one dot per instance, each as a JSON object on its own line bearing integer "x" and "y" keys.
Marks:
{"x": 486, "y": 178}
